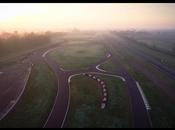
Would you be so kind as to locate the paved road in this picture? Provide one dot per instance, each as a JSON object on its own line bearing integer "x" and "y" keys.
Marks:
{"x": 12, "y": 85}
{"x": 58, "y": 113}
{"x": 13, "y": 81}
{"x": 140, "y": 116}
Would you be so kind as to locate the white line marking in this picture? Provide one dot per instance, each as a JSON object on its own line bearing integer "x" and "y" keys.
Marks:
{"x": 14, "y": 102}
{"x": 45, "y": 53}
{"x": 97, "y": 67}
{"x": 67, "y": 109}
{"x": 104, "y": 99}
{"x": 109, "y": 55}
{"x": 69, "y": 79}
{"x": 98, "y": 80}
{"x": 62, "y": 69}
{"x": 148, "y": 107}
{"x": 52, "y": 107}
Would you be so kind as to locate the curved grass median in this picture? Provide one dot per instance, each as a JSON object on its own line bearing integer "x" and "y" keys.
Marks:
{"x": 35, "y": 105}
{"x": 76, "y": 56}
{"x": 85, "y": 110}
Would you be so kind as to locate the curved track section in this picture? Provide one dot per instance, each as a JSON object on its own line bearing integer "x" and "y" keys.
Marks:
{"x": 60, "y": 109}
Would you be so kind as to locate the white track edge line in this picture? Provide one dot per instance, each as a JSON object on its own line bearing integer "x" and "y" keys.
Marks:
{"x": 148, "y": 107}
{"x": 25, "y": 84}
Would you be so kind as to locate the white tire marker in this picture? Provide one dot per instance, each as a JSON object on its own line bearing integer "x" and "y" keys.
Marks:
{"x": 105, "y": 94}
{"x": 103, "y": 105}
{"x": 104, "y": 99}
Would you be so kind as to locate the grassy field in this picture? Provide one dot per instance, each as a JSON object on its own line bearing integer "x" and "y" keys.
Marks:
{"x": 162, "y": 57}
{"x": 160, "y": 54}
{"x": 152, "y": 69}
{"x": 34, "y": 107}
{"x": 85, "y": 108}
{"x": 76, "y": 56}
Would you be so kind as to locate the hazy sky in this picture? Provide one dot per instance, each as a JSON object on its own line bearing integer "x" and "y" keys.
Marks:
{"x": 36, "y": 17}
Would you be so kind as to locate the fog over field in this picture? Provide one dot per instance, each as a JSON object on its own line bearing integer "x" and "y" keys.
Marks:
{"x": 91, "y": 16}
{"x": 87, "y": 65}
{"x": 27, "y": 19}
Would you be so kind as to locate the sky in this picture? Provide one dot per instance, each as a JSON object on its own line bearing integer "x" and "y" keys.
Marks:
{"x": 99, "y": 16}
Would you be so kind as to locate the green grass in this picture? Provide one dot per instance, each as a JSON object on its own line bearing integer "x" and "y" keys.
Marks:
{"x": 161, "y": 56}
{"x": 148, "y": 66}
{"x": 35, "y": 105}
{"x": 78, "y": 56}
{"x": 85, "y": 108}
{"x": 108, "y": 66}
{"x": 8, "y": 63}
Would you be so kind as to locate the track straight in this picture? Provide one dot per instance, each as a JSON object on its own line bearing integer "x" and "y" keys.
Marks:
{"x": 140, "y": 114}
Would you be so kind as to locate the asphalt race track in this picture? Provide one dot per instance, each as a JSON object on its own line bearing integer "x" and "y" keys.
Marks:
{"x": 58, "y": 114}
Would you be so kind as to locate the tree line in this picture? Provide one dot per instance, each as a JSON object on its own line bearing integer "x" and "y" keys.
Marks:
{"x": 14, "y": 42}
